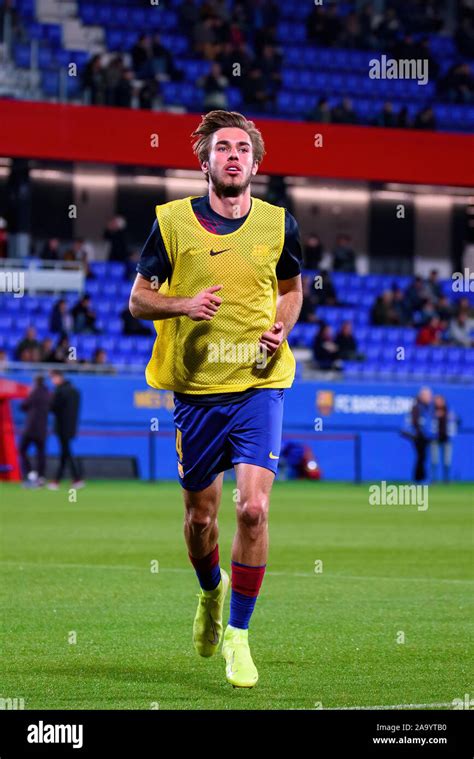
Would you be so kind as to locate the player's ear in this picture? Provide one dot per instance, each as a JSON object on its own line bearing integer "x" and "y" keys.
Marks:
{"x": 205, "y": 167}
{"x": 254, "y": 168}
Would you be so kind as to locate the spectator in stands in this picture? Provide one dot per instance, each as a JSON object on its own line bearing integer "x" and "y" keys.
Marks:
{"x": 386, "y": 117}
{"x": 312, "y": 251}
{"x": 188, "y": 14}
{"x": 65, "y": 406}
{"x": 142, "y": 57}
{"x": 61, "y": 321}
{"x": 346, "y": 342}
{"x": 124, "y": 90}
{"x": 28, "y": 349}
{"x": 147, "y": 94}
{"x": 425, "y": 119}
{"x": 405, "y": 48}
{"x": 343, "y": 113}
{"x": 321, "y": 112}
{"x": 115, "y": 233}
{"x": 426, "y": 313}
{"x": 316, "y": 25}
{"x": 430, "y": 333}
{"x": 463, "y": 306}
{"x": 444, "y": 309}
{"x": 458, "y": 84}
{"x": 84, "y": 317}
{"x": 93, "y": 81}
{"x": 163, "y": 62}
{"x": 383, "y": 312}
{"x": 310, "y": 301}
{"x": 403, "y": 120}
{"x": 254, "y": 90}
{"x": 99, "y": 357}
{"x": 132, "y": 326}
{"x": 343, "y": 254}
{"x": 368, "y": 20}
{"x": 399, "y": 305}
{"x": 351, "y": 37}
{"x": 460, "y": 330}
{"x": 465, "y": 37}
{"x": 61, "y": 353}
{"x": 332, "y": 27}
{"x": 205, "y": 38}
{"x": 214, "y": 86}
{"x": 433, "y": 286}
{"x": 325, "y": 349}
{"x": 82, "y": 252}
{"x": 35, "y": 431}
{"x": 415, "y": 295}
{"x": 112, "y": 76}
{"x": 387, "y": 29}
{"x": 46, "y": 350}
{"x": 235, "y": 63}
{"x": 326, "y": 294}
{"x": 270, "y": 64}
{"x": 50, "y": 250}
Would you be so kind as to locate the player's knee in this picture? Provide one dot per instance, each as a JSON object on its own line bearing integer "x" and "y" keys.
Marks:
{"x": 253, "y": 512}
{"x": 199, "y": 520}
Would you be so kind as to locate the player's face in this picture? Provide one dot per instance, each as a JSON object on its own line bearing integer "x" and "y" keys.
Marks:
{"x": 231, "y": 164}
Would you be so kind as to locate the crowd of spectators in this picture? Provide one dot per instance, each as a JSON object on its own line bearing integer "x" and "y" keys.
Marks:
{"x": 423, "y": 305}
{"x": 241, "y": 43}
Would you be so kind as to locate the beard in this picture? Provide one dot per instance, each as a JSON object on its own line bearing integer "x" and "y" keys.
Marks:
{"x": 231, "y": 190}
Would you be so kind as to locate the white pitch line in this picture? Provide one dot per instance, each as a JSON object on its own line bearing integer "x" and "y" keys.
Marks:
{"x": 127, "y": 567}
{"x": 394, "y": 706}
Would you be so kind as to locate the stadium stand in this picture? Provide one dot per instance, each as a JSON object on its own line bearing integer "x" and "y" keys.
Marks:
{"x": 295, "y": 57}
{"x": 378, "y": 346}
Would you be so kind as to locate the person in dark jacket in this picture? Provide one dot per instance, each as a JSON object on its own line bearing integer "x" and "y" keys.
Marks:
{"x": 445, "y": 424}
{"x": 65, "y": 408}
{"x": 421, "y": 430}
{"x": 35, "y": 432}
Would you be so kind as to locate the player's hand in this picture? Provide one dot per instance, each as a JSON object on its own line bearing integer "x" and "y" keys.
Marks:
{"x": 273, "y": 338}
{"x": 204, "y": 305}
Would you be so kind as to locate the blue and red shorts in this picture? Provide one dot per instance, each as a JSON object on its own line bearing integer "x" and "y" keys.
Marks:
{"x": 212, "y": 438}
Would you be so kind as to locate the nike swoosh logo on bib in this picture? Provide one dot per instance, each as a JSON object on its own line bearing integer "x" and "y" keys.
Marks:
{"x": 216, "y": 252}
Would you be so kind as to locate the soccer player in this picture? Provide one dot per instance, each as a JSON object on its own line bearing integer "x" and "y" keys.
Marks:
{"x": 220, "y": 277}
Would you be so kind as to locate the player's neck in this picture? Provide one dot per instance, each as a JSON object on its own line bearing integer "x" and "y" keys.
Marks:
{"x": 231, "y": 208}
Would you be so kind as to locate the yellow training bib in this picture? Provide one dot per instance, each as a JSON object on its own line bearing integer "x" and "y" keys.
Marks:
{"x": 221, "y": 355}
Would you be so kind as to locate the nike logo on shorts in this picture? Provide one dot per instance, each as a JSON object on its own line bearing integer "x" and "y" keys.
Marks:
{"x": 271, "y": 456}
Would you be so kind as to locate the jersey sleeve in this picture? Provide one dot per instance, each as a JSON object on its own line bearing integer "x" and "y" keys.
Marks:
{"x": 154, "y": 260}
{"x": 289, "y": 263}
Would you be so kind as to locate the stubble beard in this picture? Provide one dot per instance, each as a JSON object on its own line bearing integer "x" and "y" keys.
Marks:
{"x": 224, "y": 190}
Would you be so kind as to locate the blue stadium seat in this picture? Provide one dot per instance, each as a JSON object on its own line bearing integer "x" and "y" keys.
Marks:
{"x": 22, "y": 55}
{"x": 50, "y": 83}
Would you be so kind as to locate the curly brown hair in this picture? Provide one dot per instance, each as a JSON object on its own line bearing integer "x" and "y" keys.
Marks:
{"x": 215, "y": 120}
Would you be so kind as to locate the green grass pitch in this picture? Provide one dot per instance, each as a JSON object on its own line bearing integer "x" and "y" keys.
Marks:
{"x": 329, "y": 638}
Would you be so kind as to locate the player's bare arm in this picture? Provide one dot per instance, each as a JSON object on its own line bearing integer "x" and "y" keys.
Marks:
{"x": 290, "y": 299}
{"x": 146, "y": 302}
